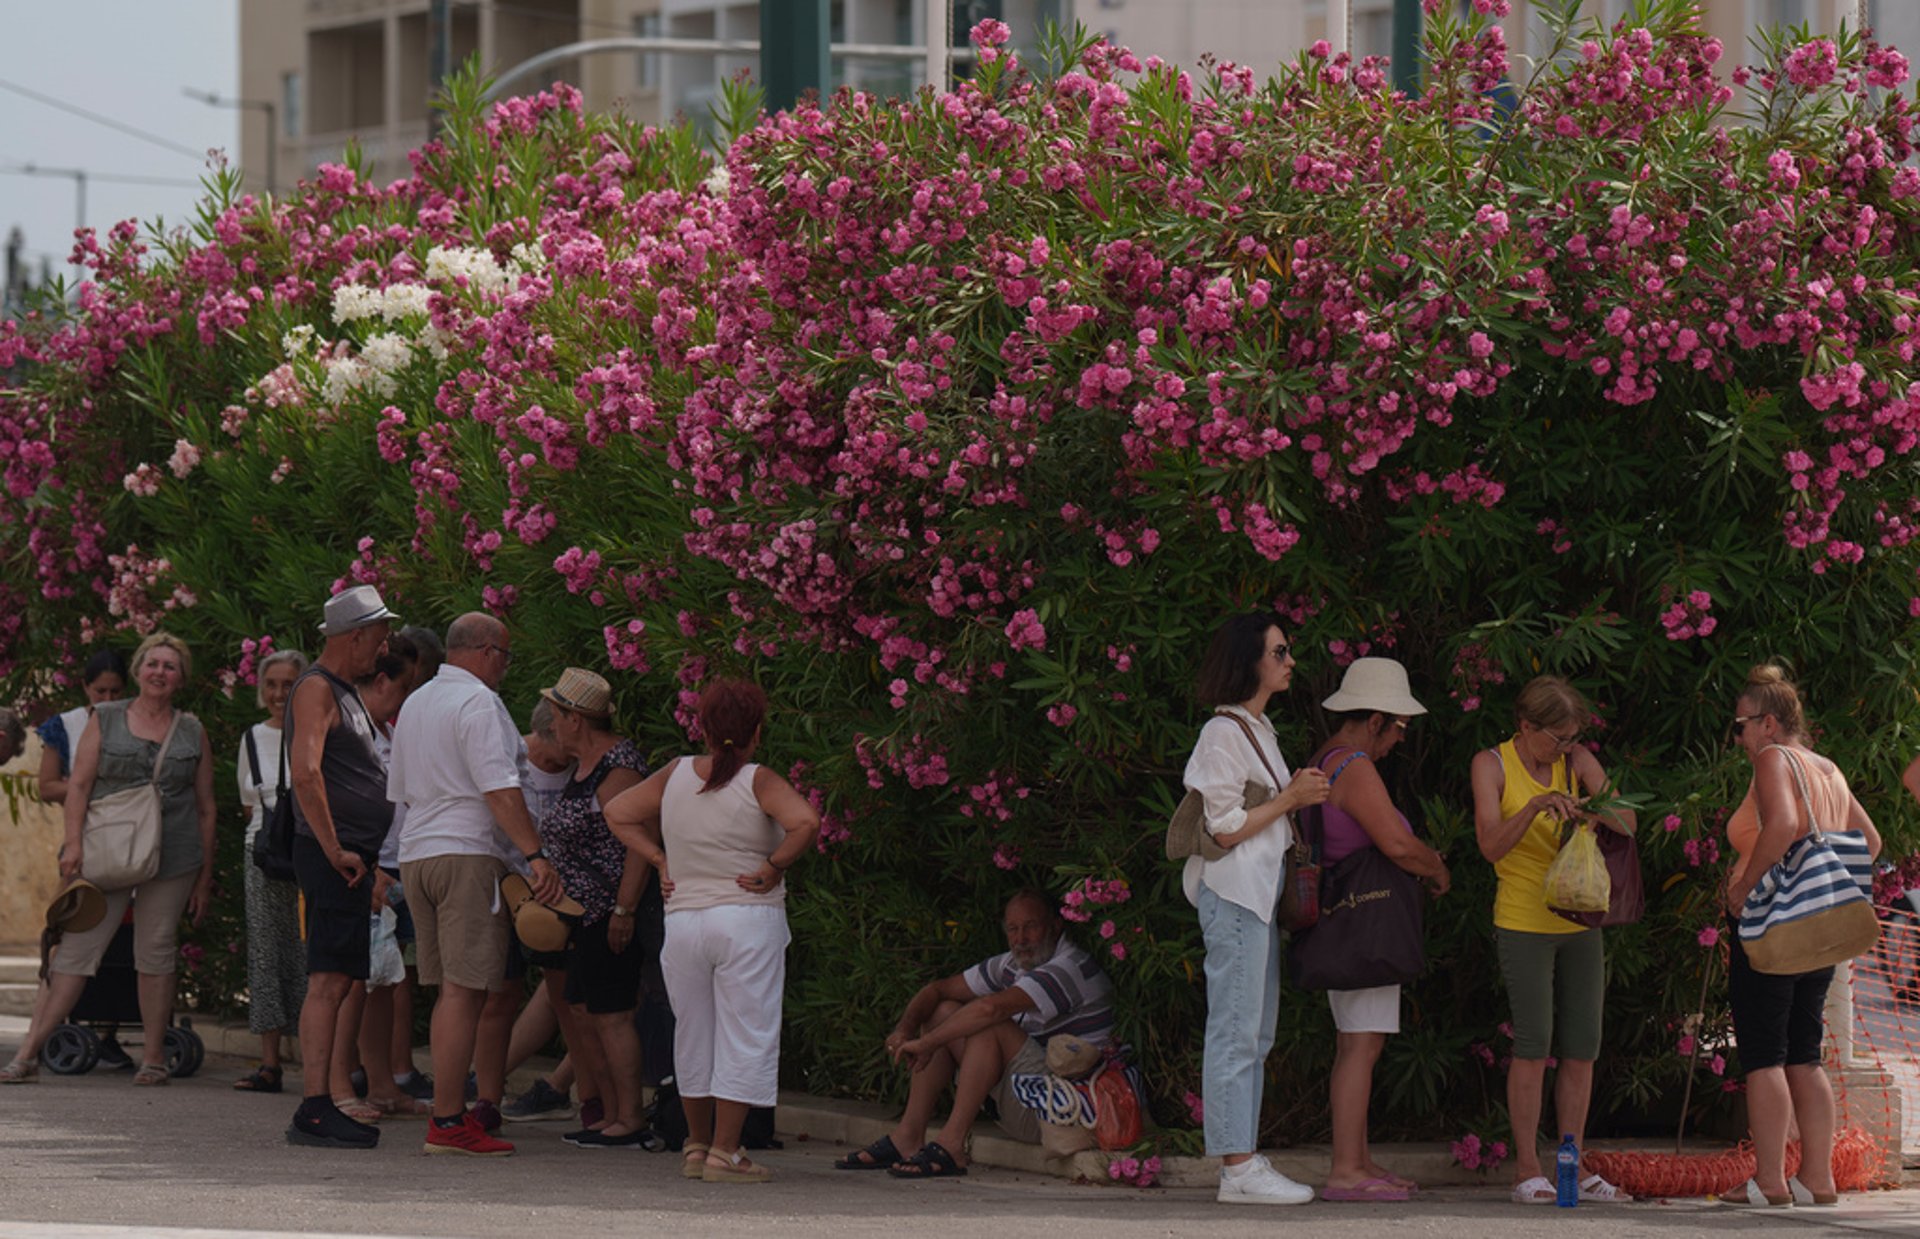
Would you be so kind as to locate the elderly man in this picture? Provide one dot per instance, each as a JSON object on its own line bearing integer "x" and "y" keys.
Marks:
{"x": 455, "y": 766}
{"x": 340, "y": 820}
{"x": 978, "y": 1028}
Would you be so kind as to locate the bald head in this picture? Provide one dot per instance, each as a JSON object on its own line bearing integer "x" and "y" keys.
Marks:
{"x": 478, "y": 644}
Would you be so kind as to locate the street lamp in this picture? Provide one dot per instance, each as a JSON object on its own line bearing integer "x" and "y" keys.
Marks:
{"x": 213, "y": 99}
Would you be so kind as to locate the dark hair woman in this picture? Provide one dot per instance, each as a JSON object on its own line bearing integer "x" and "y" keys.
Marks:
{"x": 723, "y": 832}
{"x": 1779, "y": 1021}
{"x": 1247, "y": 662}
{"x": 104, "y": 678}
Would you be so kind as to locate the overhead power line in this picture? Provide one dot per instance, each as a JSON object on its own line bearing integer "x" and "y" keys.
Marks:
{"x": 115, "y": 178}
{"x": 96, "y": 118}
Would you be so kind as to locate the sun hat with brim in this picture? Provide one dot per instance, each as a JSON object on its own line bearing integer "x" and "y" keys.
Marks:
{"x": 539, "y": 927}
{"x": 353, "y": 609}
{"x": 1375, "y": 684}
{"x": 78, "y": 907}
{"x": 582, "y": 692}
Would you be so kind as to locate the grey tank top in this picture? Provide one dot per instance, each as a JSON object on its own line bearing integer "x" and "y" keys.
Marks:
{"x": 354, "y": 775}
{"x": 127, "y": 761}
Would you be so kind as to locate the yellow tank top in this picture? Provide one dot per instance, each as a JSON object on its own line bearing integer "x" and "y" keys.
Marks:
{"x": 1521, "y": 900}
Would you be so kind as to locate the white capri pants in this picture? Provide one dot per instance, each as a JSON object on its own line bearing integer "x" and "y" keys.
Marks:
{"x": 1375, "y": 1010}
{"x": 726, "y": 970}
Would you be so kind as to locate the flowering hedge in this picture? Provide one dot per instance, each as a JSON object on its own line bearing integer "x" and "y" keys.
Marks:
{"x": 958, "y": 422}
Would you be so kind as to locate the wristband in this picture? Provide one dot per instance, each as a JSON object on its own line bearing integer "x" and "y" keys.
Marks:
{"x": 536, "y": 854}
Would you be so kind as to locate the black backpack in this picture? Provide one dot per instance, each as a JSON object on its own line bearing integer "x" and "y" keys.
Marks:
{"x": 273, "y": 846}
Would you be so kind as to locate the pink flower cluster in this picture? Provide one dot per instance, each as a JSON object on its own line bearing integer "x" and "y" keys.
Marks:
{"x": 1138, "y": 1171}
{"x": 1078, "y": 903}
{"x": 1688, "y": 617}
{"x": 1474, "y": 1154}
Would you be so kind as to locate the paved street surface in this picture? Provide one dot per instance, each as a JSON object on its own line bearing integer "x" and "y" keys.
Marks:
{"x": 94, "y": 1156}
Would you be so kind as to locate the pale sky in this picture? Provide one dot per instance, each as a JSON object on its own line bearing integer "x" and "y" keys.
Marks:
{"x": 124, "y": 60}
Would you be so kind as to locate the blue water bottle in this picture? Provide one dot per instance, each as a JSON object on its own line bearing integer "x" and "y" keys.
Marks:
{"x": 1567, "y": 1174}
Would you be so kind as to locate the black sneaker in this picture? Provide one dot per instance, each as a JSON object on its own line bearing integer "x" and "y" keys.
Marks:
{"x": 113, "y": 1056}
{"x": 324, "y": 1127}
{"x": 541, "y": 1103}
{"x": 590, "y": 1139}
{"x": 585, "y": 1138}
{"x": 417, "y": 1085}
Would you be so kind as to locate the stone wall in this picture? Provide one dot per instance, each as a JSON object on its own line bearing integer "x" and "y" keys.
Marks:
{"x": 29, "y": 869}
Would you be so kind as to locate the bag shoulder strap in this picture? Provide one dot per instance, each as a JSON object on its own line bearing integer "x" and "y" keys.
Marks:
{"x": 166, "y": 742}
{"x": 1247, "y": 729}
{"x": 1800, "y": 784}
{"x": 280, "y": 783}
{"x": 253, "y": 759}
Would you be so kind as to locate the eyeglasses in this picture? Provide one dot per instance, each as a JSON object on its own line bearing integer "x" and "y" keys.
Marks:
{"x": 1281, "y": 650}
{"x": 1402, "y": 723}
{"x": 1565, "y": 742}
{"x": 1740, "y": 721}
{"x": 506, "y": 655}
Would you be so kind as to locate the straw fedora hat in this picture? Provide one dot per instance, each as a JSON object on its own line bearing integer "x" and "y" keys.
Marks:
{"x": 582, "y": 692}
{"x": 1375, "y": 684}
{"x": 539, "y": 927}
{"x": 78, "y": 907}
{"x": 353, "y": 609}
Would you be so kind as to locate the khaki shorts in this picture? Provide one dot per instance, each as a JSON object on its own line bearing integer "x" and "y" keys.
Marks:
{"x": 1015, "y": 1119}
{"x": 459, "y": 923}
{"x": 158, "y": 904}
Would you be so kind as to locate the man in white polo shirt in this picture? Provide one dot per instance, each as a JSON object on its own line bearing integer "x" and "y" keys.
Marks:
{"x": 455, "y": 766}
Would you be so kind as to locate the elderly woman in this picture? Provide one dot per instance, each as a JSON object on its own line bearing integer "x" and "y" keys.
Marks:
{"x": 1248, "y": 661}
{"x": 595, "y": 992}
{"x": 1555, "y": 970}
{"x": 1779, "y": 1021}
{"x": 119, "y": 749}
{"x": 103, "y": 678}
{"x": 723, "y": 832}
{"x": 1370, "y": 715}
{"x": 276, "y": 964}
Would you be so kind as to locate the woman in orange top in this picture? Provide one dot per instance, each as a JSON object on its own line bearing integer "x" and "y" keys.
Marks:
{"x": 1779, "y": 1021}
{"x": 1555, "y": 969}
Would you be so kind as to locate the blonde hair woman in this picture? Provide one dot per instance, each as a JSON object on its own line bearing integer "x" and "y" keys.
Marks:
{"x": 117, "y": 750}
{"x": 1524, "y": 791}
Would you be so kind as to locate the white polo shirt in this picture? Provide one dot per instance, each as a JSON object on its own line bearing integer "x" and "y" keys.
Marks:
{"x": 453, "y": 742}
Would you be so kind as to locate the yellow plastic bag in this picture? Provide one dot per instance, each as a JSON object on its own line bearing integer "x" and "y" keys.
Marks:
{"x": 1577, "y": 879}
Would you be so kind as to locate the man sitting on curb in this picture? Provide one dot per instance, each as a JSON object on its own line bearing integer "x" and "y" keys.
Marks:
{"x": 978, "y": 1028}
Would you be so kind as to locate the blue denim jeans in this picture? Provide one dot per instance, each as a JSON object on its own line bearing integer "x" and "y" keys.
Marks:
{"x": 1243, "y": 1005}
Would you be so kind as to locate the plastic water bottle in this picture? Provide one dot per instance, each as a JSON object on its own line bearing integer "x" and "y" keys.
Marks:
{"x": 1567, "y": 1174}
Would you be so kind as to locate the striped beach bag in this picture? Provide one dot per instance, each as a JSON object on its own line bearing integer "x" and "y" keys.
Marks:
{"x": 1811, "y": 910}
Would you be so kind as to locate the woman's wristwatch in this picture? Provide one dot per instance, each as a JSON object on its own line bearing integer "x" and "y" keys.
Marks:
{"x": 620, "y": 911}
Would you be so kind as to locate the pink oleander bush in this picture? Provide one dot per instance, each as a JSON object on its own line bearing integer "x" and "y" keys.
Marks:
{"x": 958, "y": 423}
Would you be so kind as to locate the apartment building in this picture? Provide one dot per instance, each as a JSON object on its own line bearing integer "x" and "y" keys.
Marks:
{"x": 335, "y": 71}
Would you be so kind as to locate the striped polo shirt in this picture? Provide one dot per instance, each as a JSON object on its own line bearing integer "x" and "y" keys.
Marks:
{"x": 1070, "y": 994}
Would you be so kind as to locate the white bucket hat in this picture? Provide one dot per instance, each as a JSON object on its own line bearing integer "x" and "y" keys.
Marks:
{"x": 1375, "y": 684}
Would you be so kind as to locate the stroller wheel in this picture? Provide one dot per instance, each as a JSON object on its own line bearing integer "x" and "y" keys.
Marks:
{"x": 71, "y": 1050}
{"x": 184, "y": 1053}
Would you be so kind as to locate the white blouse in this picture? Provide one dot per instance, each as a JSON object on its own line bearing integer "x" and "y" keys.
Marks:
{"x": 1222, "y": 765}
{"x": 267, "y": 740}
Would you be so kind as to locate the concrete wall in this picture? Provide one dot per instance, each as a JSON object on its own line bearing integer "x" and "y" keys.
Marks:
{"x": 29, "y": 866}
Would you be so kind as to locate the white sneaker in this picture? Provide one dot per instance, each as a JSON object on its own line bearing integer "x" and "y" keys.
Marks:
{"x": 1261, "y": 1185}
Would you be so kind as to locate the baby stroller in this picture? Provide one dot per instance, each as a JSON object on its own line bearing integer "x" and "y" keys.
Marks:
{"x": 112, "y": 997}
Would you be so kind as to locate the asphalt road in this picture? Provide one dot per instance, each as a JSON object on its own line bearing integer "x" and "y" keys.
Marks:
{"x": 94, "y": 1156}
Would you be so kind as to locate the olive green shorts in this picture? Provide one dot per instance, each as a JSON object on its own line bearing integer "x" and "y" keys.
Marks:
{"x": 1556, "y": 983}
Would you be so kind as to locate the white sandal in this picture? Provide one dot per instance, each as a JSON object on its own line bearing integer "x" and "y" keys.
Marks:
{"x": 1749, "y": 1195}
{"x": 1527, "y": 1192}
{"x": 1597, "y": 1190}
{"x": 21, "y": 1071}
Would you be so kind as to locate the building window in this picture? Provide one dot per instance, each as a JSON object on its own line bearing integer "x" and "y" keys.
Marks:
{"x": 647, "y": 66}
{"x": 290, "y": 104}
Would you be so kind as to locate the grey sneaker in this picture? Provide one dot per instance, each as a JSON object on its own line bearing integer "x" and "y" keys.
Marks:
{"x": 542, "y": 1103}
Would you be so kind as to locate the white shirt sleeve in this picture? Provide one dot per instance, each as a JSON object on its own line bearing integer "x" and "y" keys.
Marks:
{"x": 1222, "y": 765}
{"x": 485, "y": 749}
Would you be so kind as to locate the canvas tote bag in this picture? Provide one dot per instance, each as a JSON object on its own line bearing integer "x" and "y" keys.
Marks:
{"x": 120, "y": 840}
{"x": 1811, "y": 910}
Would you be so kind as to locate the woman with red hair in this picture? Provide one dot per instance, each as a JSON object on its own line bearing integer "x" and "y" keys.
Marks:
{"x": 722, "y": 831}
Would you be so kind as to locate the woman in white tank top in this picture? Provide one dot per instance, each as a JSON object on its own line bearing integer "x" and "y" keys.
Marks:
{"x": 723, "y": 831}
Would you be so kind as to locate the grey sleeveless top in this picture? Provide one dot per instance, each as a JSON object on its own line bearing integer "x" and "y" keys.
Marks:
{"x": 127, "y": 761}
{"x": 355, "y": 777}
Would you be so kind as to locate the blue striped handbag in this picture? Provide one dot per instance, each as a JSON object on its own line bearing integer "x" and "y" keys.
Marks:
{"x": 1812, "y": 909}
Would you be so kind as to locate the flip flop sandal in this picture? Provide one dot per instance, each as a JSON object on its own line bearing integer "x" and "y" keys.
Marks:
{"x": 357, "y": 1110}
{"x": 693, "y": 1160}
{"x": 152, "y": 1075}
{"x": 263, "y": 1080}
{"x": 401, "y": 1107}
{"x": 1804, "y": 1195}
{"x": 882, "y": 1154}
{"x": 1384, "y": 1190}
{"x": 21, "y": 1071}
{"x": 1749, "y": 1195}
{"x": 931, "y": 1162}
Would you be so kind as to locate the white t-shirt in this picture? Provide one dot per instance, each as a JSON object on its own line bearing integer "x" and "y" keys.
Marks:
{"x": 453, "y": 742}
{"x": 1222, "y": 765}
{"x": 266, "y": 740}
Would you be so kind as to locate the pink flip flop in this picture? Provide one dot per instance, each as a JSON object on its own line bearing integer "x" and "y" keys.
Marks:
{"x": 1380, "y": 1190}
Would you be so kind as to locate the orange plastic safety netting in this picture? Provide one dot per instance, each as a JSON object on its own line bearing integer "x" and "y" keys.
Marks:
{"x": 1873, "y": 1060}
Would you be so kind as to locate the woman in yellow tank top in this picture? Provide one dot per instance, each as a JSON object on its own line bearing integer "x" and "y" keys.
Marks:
{"x": 1555, "y": 969}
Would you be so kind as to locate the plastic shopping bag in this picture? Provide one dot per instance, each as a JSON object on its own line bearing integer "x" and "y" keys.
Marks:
{"x": 386, "y": 967}
{"x": 1577, "y": 879}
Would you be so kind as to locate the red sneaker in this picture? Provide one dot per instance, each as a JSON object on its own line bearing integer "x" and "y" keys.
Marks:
{"x": 467, "y": 1138}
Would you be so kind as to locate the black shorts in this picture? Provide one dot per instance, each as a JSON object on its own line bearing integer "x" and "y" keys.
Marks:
{"x": 339, "y": 917}
{"x": 521, "y": 959}
{"x": 1778, "y": 1021}
{"x": 601, "y": 981}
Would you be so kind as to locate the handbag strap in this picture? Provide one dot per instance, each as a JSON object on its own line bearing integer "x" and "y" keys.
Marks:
{"x": 1800, "y": 784}
{"x": 280, "y": 783}
{"x": 166, "y": 742}
{"x": 1259, "y": 752}
{"x": 253, "y": 759}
